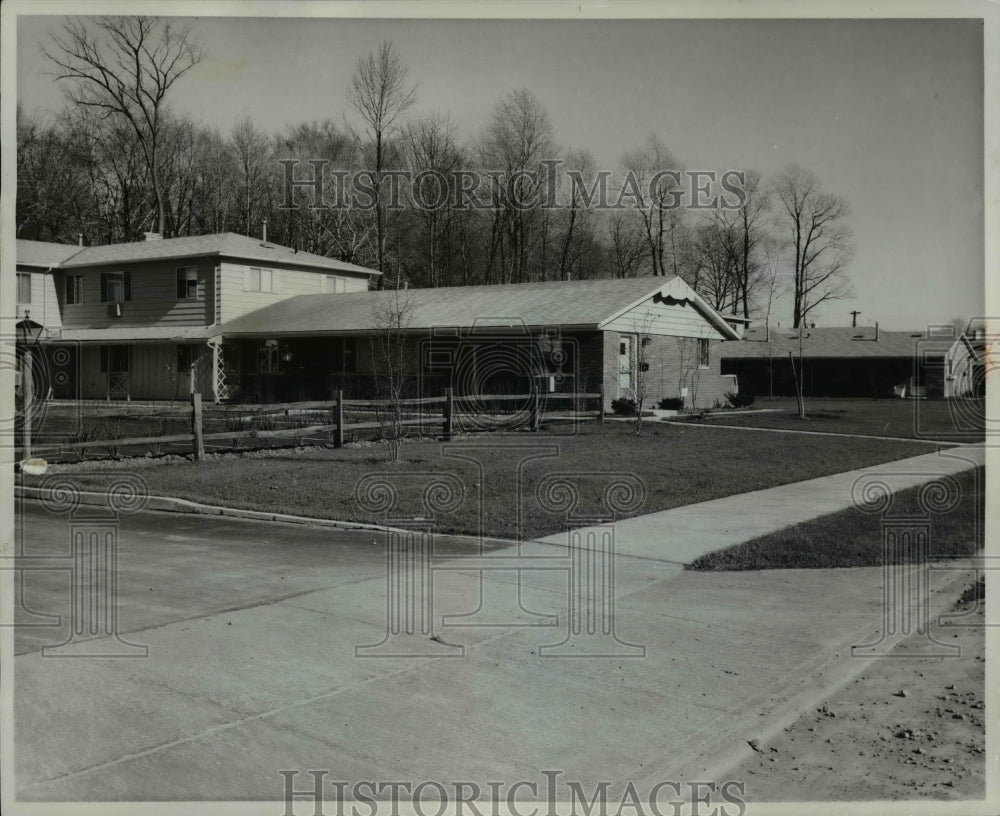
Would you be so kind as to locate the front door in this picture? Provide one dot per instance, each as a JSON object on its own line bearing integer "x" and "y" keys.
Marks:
{"x": 624, "y": 363}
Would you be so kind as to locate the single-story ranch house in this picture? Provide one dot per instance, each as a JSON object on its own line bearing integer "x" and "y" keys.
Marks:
{"x": 252, "y": 320}
{"x": 859, "y": 362}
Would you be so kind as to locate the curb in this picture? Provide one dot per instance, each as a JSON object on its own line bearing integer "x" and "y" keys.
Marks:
{"x": 168, "y": 504}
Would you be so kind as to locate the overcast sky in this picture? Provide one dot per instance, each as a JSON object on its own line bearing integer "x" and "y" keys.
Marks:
{"x": 888, "y": 113}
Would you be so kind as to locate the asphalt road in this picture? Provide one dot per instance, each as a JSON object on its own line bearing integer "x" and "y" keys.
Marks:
{"x": 252, "y": 628}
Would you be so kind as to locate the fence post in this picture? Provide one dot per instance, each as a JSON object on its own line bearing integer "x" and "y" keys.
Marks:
{"x": 27, "y": 398}
{"x": 449, "y": 413}
{"x": 338, "y": 408}
{"x": 196, "y": 427}
{"x": 600, "y": 403}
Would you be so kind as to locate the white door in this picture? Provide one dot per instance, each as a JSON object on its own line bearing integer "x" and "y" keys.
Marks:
{"x": 624, "y": 364}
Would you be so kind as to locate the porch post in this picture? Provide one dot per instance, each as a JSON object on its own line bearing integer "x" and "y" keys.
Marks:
{"x": 214, "y": 395}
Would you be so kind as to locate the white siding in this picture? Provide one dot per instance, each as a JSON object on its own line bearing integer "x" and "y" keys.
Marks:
{"x": 43, "y": 306}
{"x": 662, "y": 319}
{"x": 234, "y": 301}
{"x": 154, "y": 297}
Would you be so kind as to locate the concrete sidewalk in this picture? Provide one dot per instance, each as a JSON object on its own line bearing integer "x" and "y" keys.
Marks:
{"x": 682, "y": 534}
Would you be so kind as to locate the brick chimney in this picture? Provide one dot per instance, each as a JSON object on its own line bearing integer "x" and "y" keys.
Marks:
{"x": 152, "y": 236}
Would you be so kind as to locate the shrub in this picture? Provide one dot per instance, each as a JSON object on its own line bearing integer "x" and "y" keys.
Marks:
{"x": 624, "y": 407}
{"x": 672, "y": 404}
{"x": 739, "y": 400}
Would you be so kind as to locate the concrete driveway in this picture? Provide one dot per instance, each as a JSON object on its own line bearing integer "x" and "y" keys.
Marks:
{"x": 252, "y": 668}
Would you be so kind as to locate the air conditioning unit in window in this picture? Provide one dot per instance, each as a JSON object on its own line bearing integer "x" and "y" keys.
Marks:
{"x": 115, "y": 309}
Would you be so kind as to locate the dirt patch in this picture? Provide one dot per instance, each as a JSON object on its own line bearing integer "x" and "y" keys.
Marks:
{"x": 904, "y": 729}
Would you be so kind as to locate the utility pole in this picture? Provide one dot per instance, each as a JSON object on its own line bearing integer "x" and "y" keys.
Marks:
{"x": 854, "y": 319}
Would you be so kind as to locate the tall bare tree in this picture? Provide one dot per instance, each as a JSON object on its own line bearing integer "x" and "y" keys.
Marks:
{"x": 380, "y": 93}
{"x": 819, "y": 238}
{"x": 649, "y": 168}
{"x": 252, "y": 153}
{"x": 432, "y": 155}
{"x": 518, "y": 138}
{"x": 125, "y": 66}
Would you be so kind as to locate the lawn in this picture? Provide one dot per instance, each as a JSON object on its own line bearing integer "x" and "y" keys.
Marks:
{"x": 501, "y": 473}
{"x": 852, "y": 538}
{"x": 946, "y": 420}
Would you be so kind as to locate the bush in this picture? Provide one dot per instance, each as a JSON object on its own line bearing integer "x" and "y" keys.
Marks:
{"x": 672, "y": 404}
{"x": 624, "y": 407}
{"x": 739, "y": 400}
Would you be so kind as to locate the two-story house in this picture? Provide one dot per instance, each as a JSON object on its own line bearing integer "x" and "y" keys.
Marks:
{"x": 134, "y": 320}
{"x": 238, "y": 318}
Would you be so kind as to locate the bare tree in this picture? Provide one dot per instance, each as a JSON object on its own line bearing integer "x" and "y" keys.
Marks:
{"x": 125, "y": 66}
{"x": 742, "y": 230}
{"x": 252, "y": 155}
{"x": 432, "y": 153}
{"x": 380, "y": 93}
{"x": 642, "y": 384}
{"x": 819, "y": 239}
{"x": 577, "y": 217}
{"x": 652, "y": 169}
{"x": 517, "y": 140}
{"x": 625, "y": 250}
{"x": 392, "y": 316}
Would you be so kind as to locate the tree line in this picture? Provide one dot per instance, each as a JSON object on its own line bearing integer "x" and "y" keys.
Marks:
{"x": 118, "y": 161}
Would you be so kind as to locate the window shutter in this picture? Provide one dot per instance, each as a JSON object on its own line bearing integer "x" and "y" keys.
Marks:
{"x": 127, "y": 286}
{"x": 104, "y": 287}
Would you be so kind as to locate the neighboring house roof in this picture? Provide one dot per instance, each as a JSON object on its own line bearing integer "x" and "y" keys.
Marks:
{"x": 223, "y": 244}
{"x": 585, "y": 304}
{"x": 43, "y": 254}
{"x": 834, "y": 342}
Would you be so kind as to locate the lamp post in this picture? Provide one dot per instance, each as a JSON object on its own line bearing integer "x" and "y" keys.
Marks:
{"x": 29, "y": 338}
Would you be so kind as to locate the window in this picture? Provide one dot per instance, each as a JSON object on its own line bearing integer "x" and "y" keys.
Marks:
{"x": 74, "y": 289}
{"x": 703, "y": 353}
{"x": 268, "y": 361}
{"x": 185, "y": 357}
{"x": 333, "y": 284}
{"x": 116, "y": 287}
{"x": 24, "y": 287}
{"x": 114, "y": 358}
{"x": 187, "y": 283}
{"x": 256, "y": 279}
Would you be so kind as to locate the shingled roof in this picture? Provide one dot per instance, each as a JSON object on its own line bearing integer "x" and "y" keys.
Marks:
{"x": 222, "y": 244}
{"x": 833, "y": 342}
{"x": 584, "y": 304}
{"x": 43, "y": 254}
